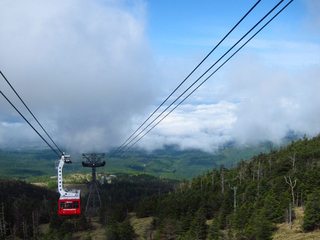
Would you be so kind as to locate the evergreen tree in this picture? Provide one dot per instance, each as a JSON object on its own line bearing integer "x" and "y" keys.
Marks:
{"x": 272, "y": 208}
{"x": 198, "y": 228}
{"x": 242, "y": 216}
{"x": 169, "y": 229}
{"x": 312, "y": 212}
{"x": 260, "y": 228}
{"x": 214, "y": 232}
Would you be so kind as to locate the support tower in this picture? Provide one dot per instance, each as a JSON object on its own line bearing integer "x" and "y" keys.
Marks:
{"x": 93, "y": 160}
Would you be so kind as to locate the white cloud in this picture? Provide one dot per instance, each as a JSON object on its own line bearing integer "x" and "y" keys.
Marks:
{"x": 83, "y": 67}
{"x": 273, "y": 100}
{"x": 205, "y": 127}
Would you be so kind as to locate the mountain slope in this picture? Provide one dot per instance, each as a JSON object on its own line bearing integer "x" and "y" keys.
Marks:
{"x": 246, "y": 202}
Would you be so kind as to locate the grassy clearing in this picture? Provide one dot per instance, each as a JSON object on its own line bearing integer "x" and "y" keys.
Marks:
{"x": 141, "y": 226}
{"x": 284, "y": 231}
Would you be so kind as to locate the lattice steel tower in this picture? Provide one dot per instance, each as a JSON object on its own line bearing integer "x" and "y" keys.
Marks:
{"x": 93, "y": 160}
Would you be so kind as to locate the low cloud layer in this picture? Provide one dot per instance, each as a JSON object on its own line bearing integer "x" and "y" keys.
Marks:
{"x": 205, "y": 127}
{"x": 273, "y": 100}
{"x": 83, "y": 67}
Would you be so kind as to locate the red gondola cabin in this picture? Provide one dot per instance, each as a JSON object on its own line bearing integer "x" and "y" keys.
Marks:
{"x": 69, "y": 201}
{"x": 68, "y": 206}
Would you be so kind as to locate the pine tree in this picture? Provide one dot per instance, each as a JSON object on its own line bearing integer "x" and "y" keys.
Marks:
{"x": 169, "y": 229}
{"x": 242, "y": 216}
{"x": 273, "y": 209}
{"x": 311, "y": 219}
{"x": 214, "y": 232}
{"x": 198, "y": 228}
{"x": 260, "y": 228}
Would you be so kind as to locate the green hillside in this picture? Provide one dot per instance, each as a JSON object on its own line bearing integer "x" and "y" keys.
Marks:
{"x": 169, "y": 162}
{"x": 245, "y": 202}
{"x": 24, "y": 164}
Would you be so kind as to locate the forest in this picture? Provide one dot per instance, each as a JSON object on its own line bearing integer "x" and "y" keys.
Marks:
{"x": 244, "y": 202}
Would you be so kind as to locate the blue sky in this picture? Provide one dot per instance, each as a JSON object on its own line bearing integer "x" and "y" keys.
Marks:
{"x": 188, "y": 30}
{"x": 186, "y": 26}
{"x": 94, "y": 70}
